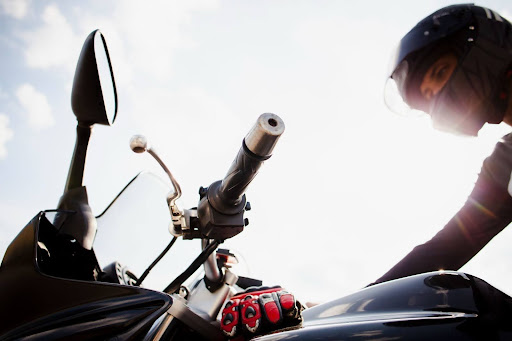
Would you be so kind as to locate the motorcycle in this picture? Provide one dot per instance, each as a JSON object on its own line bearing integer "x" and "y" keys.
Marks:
{"x": 60, "y": 278}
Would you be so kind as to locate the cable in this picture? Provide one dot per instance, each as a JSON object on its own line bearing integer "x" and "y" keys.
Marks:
{"x": 203, "y": 256}
{"x": 162, "y": 254}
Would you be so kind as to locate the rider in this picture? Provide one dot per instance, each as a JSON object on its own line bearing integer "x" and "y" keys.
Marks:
{"x": 456, "y": 65}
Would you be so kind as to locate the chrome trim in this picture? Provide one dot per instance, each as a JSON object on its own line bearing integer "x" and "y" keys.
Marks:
{"x": 263, "y": 136}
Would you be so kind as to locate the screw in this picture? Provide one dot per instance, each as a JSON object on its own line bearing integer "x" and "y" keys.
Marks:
{"x": 246, "y": 221}
{"x": 248, "y": 206}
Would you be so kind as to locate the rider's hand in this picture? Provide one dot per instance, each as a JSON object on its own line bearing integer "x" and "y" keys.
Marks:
{"x": 259, "y": 310}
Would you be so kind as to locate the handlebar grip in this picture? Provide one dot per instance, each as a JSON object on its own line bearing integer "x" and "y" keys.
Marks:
{"x": 256, "y": 147}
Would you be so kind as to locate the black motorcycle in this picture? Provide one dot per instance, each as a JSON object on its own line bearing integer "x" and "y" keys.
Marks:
{"x": 60, "y": 278}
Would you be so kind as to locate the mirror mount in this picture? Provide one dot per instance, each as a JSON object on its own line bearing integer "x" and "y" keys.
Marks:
{"x": 76, "y": 169}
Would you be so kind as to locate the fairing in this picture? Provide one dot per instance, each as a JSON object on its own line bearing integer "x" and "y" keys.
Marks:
{"x": 40, "y": 306}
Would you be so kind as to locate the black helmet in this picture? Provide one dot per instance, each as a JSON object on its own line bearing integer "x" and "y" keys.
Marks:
{"x": 477, "y": 91}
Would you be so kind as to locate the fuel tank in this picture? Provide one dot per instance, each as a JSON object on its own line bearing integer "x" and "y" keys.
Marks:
{"x": 442, "y": 305}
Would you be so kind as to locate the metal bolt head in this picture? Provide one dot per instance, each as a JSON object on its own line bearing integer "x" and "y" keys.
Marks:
{"x": 202, "y": 191}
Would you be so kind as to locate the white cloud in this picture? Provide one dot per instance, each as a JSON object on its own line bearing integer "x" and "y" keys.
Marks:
{"x": 5, "y": 135}
{"x": 145, "y": 38}
{"x": 54, "y": 43}
{"x": 15, "y": 8}
{"x": 35, "y": 104}
{"x": 166, "y": 28}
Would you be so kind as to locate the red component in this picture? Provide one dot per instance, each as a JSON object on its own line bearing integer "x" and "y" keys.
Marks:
{"x": 230, "y": 317}
{"x": 272, "y": 311}
{"x": 287, "y": 300}
{"x": 254, "y": 310}
{"x": 250, "y": 313}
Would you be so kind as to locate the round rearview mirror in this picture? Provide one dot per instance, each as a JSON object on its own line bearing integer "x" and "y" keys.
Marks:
{"x": 94, "y": 96}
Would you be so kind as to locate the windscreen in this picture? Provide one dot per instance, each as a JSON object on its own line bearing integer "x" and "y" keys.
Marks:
{"x": 134, "y": 230}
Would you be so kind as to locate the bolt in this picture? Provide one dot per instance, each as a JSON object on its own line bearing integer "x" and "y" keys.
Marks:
{"x": 202, "y": 191}
{"x": 246, "y": 221}
{"x": 248, "y": 206}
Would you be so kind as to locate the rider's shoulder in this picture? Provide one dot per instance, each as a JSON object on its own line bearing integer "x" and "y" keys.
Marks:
{"x": 507, "y": 139}
{"x": 498, "y": 165}
{"x": 504, "y": 146}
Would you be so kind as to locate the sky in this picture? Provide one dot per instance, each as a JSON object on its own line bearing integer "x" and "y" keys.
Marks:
{"x": 351, "y": 187}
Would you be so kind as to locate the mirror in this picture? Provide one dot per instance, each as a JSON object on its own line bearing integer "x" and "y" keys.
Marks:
{"x": 93, "y": 100}
{"x": 106, "y": 76}
{"x": 94, "y": 96}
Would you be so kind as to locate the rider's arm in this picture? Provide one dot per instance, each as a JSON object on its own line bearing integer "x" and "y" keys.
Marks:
{"x": 487, "y": 211}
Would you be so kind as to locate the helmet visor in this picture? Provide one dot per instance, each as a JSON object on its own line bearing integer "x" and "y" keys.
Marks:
{"x": 396, "y": 103}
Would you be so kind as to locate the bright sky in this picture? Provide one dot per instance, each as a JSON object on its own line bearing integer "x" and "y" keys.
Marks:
{"x": 351, "y": 187}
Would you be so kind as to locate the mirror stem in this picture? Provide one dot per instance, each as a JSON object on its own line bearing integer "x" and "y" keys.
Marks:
{"x": 76, "y": 169}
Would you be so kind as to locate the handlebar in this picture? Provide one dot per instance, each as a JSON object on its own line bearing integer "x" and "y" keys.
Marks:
{"x": 256, "y": 147}
{"x": 220, "y": 211}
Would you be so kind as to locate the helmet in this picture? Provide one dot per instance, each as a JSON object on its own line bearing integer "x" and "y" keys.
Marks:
{"x": 477, "y": 90}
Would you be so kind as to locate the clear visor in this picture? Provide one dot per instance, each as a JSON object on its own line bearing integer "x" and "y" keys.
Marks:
{"x": 394, "y": 88}
{"x": 396, "y": 103}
